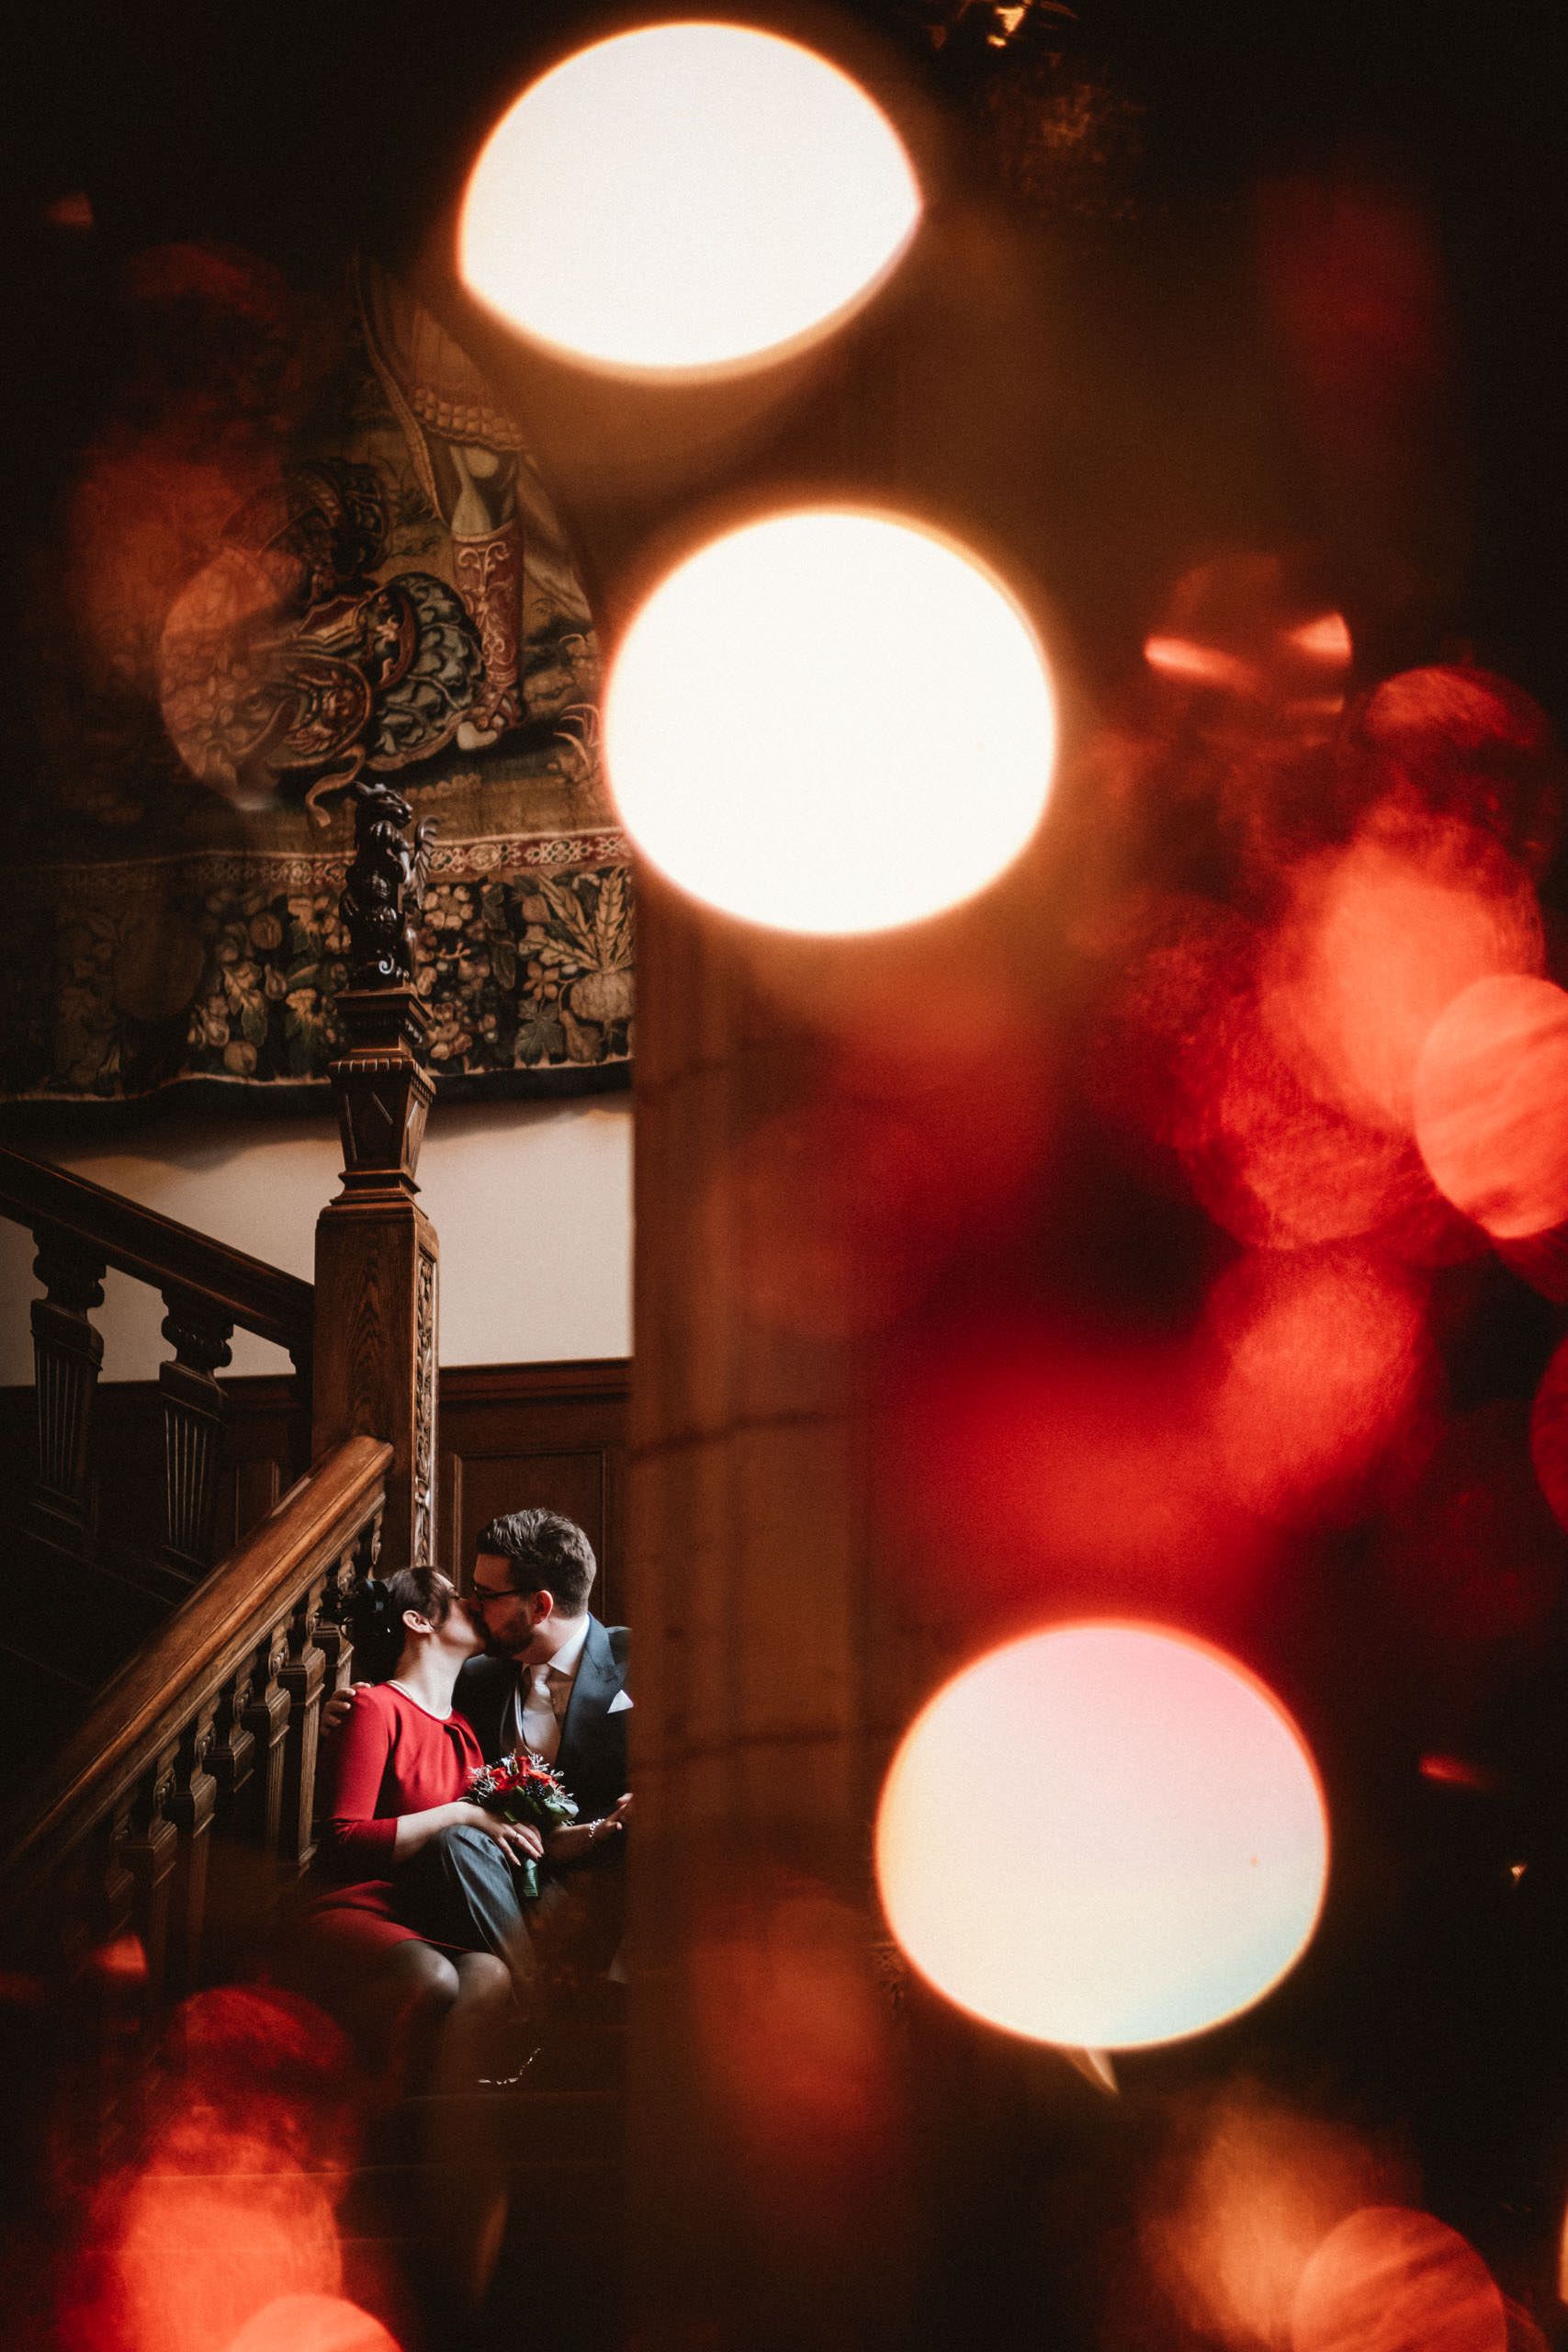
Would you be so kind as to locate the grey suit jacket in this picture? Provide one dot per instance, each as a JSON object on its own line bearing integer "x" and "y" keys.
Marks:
{"x": 593, "y": 1755}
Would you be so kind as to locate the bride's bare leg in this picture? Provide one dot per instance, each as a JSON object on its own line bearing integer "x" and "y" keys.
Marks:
{"x": 415, "y": 1993}
{"x": 475, "y": 2019}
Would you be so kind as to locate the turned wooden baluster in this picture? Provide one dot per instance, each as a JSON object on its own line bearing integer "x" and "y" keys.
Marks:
{"x": 239, "y": 1887}
{"x": 266, "y": 1719}
{"x": 303, "y": 1674}
{"x": 367, "y": 1550}
{"x": 117, "y": 1918}
{"x": 334, "y": 1636}
{"x": 106, "y": 1966}
{"x": 233, "y": 1749}
{"x": 195, "y": 1412}
{"x": 148, "y": 1851}
{"x": 67, "y": 1353}
{"x": 190, "y": 1808}
{"x": 334, "y": 1631}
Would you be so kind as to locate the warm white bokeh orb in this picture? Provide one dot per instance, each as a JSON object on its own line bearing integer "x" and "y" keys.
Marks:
{"x": 686, "y": 196}
{"x": 829, "y": 722}
{"x": 312, "y": 2324}
{"x": 1105, "y": 1835}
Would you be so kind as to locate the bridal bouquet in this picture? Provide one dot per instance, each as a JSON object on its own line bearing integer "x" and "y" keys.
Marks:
{"x": 521, "y": 1787}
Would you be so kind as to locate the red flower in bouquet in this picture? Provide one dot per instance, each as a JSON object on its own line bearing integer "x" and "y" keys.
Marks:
{"x": 519, "y": 1786}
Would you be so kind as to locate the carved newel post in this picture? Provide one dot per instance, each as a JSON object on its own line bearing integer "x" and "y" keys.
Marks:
{"x": 375, "y": 1249}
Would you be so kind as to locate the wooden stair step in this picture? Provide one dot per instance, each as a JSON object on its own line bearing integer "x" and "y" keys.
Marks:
{"x": 382, "y": 2203}
{"x": 502, "y": 2126}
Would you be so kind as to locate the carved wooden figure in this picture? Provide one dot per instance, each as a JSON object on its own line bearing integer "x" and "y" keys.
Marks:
{"x": 385, "y": 887}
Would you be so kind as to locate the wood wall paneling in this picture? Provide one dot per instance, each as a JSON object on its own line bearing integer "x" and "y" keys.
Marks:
{"x": 513, "y": 1437}
{"x": 508, "y": 1436}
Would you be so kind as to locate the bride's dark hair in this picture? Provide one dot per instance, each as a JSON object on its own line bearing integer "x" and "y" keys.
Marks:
{"x": 376, "y": 1620}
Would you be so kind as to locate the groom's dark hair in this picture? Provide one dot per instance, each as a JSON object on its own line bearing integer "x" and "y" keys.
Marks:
{"x": 544, "y": 1549}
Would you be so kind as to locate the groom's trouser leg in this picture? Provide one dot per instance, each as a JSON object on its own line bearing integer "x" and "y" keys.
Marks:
{"x": 461, "y": 1890}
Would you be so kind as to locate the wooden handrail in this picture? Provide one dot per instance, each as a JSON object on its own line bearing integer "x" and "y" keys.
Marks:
{"x": 158, "y": 1249}
{"x": 190, "y": 1658}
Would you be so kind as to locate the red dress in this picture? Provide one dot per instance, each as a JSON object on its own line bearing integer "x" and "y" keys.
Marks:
{"x": 391, "y": 1758}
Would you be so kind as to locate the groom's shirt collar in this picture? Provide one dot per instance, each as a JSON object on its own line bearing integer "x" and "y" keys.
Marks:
{"x": 565, "y": 1657}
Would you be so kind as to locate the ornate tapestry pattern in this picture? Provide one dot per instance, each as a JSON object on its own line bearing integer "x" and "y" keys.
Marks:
{"x": 386, "y": 593}
{"x": 524, "y": 965}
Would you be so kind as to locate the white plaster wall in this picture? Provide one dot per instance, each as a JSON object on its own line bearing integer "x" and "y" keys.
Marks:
{"x": 532, "y": 1204}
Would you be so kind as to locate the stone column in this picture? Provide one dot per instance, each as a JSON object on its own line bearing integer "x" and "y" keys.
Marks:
{"x": 766, "y": 2157}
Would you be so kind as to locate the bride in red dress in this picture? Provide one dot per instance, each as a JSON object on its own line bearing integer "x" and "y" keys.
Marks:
{"x": 399, "y": 1766}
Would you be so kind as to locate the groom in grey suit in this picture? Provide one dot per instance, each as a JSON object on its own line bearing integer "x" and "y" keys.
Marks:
{"x": 553, "y": 1680}
{"x": 553, "y": 1677}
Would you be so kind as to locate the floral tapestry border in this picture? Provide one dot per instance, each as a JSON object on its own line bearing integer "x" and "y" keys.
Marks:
{"x": 222, "y": 966}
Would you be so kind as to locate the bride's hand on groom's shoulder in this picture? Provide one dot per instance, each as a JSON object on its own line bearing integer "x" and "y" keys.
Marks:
{"x": 335, "y": 1711}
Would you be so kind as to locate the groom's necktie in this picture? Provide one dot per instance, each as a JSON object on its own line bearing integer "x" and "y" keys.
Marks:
{"x": 541, "y": 1725}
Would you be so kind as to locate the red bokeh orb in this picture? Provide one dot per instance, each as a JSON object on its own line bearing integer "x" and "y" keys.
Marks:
{"x": 1490, "y": 1100}
{"x": 1391, "y": 2279}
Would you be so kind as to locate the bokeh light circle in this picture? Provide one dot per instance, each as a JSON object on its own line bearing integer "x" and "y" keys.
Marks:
{"x": 1103, "y": 1835}
{"x": 685, "y": 196}
{"x": 1548, "y": 1434}
{"x": 1491, "y": 1101}
{"x": 1324, "y": 1361}
{"x": 1391, "y": 2279}
{"x": 1380, "y": 937}
{"x": 830, "y": 720}
{"x": 312, "y": 2324}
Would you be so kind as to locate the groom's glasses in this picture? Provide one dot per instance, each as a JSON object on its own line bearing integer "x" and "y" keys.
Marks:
{"x": 478, "y": 1594}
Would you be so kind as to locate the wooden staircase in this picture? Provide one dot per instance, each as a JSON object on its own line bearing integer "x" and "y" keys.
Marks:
{"x": 159, "y": 1713}
{"x": 95, "y": 1595}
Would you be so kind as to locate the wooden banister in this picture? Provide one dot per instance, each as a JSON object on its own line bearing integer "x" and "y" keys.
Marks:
{"x": 263, "y": 1592}
{"x": 157, "y": 1249}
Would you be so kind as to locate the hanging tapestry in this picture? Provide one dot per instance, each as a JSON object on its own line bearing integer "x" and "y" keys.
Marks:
{"x": 305, "y": 544}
